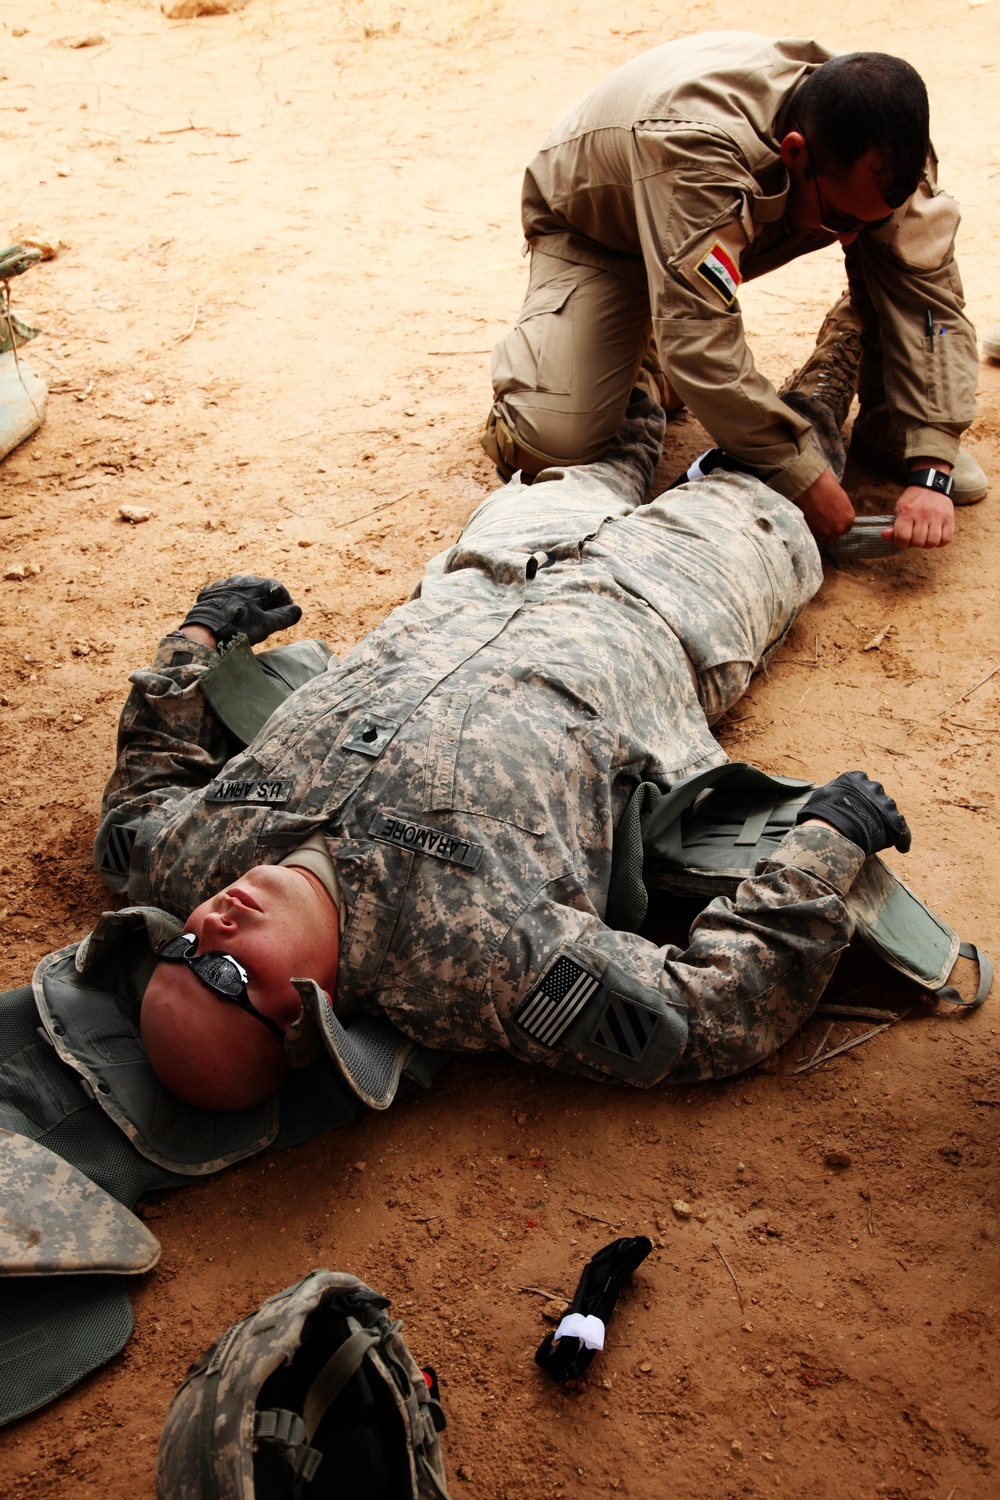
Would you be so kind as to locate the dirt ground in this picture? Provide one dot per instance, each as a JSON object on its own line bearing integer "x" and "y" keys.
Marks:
{"x": 290, "y": 240}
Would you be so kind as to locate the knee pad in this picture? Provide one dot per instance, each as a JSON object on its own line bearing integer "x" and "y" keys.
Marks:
{"x": 510, "y": 454}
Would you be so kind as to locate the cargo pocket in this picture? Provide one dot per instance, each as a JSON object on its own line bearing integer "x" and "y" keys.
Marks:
{"x": 537, "y": 354}
{"x": 513, "y": 777}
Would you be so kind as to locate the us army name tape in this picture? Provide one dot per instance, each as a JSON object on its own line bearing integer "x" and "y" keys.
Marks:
{"x": 392, "y": 829}
{"x": 270, "y": 792}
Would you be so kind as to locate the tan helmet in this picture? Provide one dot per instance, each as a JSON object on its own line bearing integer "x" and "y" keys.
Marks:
{"x": 313, "y": 1395}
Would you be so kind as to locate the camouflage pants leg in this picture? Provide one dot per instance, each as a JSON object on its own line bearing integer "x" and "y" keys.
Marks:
{"x": 565, "y": 506}
{"x": 727, "y": 563}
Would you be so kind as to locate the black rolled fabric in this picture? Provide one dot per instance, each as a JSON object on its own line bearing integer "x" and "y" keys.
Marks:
{"x": 601, "y": 1284}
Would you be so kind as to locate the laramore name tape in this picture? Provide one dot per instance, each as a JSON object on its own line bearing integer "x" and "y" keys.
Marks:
{"x": 393, "y": 829}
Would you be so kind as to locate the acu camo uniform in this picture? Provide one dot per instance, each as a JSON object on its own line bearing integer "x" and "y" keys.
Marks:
{"x": 644, "y": 211}
{"x": 469, "y": 760}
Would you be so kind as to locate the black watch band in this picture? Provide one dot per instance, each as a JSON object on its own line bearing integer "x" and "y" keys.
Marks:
{"x": 932, "y": 479}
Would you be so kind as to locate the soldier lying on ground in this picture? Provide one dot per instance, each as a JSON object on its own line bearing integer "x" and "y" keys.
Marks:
{"x": 427, "y": 831}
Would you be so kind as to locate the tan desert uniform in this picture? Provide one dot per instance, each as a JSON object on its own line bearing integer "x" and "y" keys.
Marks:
{"x": 646, "y": 209}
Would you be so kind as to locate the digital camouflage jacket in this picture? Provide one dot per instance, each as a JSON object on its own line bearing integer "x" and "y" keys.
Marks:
{"x": 469, "y": 759}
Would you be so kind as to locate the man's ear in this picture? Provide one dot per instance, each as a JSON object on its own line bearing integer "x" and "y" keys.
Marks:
{"x": 793, "y": 151}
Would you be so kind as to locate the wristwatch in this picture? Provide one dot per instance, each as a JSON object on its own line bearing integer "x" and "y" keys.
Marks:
{"x": 932, "y": 479}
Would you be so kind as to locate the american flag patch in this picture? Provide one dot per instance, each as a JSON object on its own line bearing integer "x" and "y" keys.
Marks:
{"x": 557, "y": 1001}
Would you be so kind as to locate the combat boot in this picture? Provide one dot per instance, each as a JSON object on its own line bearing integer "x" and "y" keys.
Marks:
{"x": 830, "y": 374}
{"x": 991, "y": 343}
{"x": 23, "y": 395}
{"x": 876, "y": 444}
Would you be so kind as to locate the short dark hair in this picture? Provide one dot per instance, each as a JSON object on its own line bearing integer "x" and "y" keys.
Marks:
{"x": 864, "y": 100}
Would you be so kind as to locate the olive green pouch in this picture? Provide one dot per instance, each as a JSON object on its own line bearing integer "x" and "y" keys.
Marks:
{"x": 707, "y": 833}
{"x": 245, "y": 687}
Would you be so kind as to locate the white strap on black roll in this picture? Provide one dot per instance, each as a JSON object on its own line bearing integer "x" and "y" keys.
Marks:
{"x": 585, "y": 1327}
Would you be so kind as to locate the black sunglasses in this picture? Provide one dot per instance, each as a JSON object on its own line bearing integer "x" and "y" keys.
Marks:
{"x": 828, "y": 217}
{"x": 219, "y": 972}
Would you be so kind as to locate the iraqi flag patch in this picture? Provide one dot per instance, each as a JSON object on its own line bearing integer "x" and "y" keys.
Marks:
{"x": 721, "y": 272}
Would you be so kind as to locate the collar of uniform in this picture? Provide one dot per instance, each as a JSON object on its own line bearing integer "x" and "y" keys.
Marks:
{"x": 785, "y": 118}
{"x": 350, "y": 860}
{"x": 767, "y": 209}
{"x": 111, "y": 926}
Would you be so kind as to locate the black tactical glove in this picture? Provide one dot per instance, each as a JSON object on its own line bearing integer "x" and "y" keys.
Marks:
{"x": 860, "y": 809}
{"x": 243, "y": 605}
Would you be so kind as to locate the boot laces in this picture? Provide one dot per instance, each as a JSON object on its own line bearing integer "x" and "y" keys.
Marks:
{"x": 832, "y": 373}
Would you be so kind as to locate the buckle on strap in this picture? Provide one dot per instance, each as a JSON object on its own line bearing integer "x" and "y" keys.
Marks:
{"x": 277, "y": 1428}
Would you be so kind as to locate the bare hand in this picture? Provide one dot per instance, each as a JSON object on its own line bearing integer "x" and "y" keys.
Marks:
{"x": 826, "y": 507}
{"x": 924, "y": 518}
{"x": 200, "y": 635}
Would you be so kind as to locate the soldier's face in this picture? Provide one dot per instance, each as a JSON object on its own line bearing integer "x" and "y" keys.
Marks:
{"x": 819, "y": 204}
{"x": 278, "y": 921}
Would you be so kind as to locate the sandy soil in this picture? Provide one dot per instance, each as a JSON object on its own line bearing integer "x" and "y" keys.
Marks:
{"x": 291, "y": 239}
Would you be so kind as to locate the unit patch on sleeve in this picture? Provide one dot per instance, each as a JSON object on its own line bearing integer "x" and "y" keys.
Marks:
{"x": 625, "y": 1027}
{"x": 556, "y": 1001}
{"x": 118, "y": 851}
{"x": 721, "y": 272}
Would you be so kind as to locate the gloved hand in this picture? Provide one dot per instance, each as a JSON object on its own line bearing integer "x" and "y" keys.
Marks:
{"x": 243, "y": 604}
{"x": 860, "y": 809}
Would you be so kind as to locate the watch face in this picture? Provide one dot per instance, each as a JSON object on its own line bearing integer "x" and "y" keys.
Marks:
{"x": 933, "y": 479}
